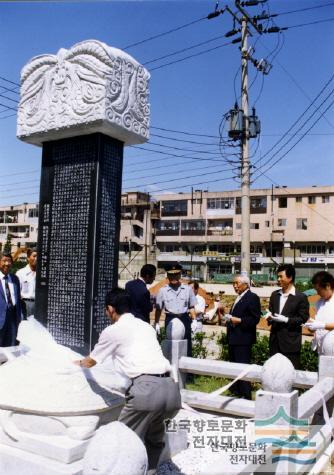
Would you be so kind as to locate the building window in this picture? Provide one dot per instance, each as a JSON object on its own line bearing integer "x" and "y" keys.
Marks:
{"x": 220, "y": 203}
{"x": 222, "y": 248}
{"x": 3, "y": 230}
{"x": 192, "y": 227}
{"x": 174, "y": 208}
{"x": 311, "y": 200}
{"x": 238, "y": 226}
{"x": 302, "y": 223}
{"x": 282, "y": 202}
{"x": 282, "y": 222}
{"x": 299, "y": 199}
{"x": 325, "y": 199}
{"x": 256, "y": 248}
{"x": 33, "y": 213}
{"x": 312, "y": 249}
{"x": 254, "y": 226}
{"x": 267, "y": 224}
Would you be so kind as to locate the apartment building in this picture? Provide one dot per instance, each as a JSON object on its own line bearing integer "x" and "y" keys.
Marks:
{"x": 137, "y": 235}
{"x": 19, "y": 225}
{"x": 202, "y": 230}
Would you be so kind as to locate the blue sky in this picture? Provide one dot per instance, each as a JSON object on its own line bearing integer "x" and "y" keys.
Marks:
{"x": 190, "y": 96}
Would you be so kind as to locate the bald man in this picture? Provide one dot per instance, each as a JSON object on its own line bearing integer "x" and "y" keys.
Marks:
{"x": 241, "y": 329}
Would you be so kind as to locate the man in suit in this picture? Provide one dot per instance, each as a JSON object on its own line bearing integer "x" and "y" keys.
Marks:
{"x": 289, "y": 309}
{"x": 141, "y": 304}
{"x": 10, "y": 302}
{"x": 241, "y": 329}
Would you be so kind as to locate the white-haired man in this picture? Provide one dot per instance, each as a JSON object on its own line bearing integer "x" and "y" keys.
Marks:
{"x": 241, "y": 328}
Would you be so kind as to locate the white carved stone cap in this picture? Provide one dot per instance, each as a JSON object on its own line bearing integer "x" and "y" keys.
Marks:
{"x": 88, "y": 88}
{"x": 278, "y": 374}
{"x": 327, "y": 347}
{"x": 115, "y": 450}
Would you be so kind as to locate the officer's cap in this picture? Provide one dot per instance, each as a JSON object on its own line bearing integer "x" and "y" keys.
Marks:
{"x": 174, "y": 269}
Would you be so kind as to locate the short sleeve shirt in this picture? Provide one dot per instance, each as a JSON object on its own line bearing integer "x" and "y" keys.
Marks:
{"x": 176, "y": 301}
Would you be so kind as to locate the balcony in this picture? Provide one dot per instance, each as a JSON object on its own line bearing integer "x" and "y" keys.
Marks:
{"x": 193, "y": 232}
{"x": 169, "y": 213}
{"x": 167, "y": 232}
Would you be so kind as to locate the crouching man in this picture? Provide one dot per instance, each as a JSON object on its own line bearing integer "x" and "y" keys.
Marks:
{"x": 153, "y": 395}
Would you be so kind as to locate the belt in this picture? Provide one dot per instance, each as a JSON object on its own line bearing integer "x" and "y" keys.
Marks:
{"x": 177, "y": 314}
{"x": 163, "y": 375}
{"x": 29, "y": 300}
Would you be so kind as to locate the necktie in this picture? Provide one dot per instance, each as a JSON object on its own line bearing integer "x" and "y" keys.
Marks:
{"x": 8, "y": 294}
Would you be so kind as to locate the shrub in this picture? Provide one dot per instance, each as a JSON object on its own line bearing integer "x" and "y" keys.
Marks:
{"x": 260, "y": 352}
{"x": 308, "y": 358}
{"x": 199, "y": 350}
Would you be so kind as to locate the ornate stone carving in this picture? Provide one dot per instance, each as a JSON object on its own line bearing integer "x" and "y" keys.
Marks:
{"x": 91, "y": 87}
{"x": 278, "y": 374}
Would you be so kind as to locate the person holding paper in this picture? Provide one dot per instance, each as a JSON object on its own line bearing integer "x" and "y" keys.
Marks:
{"x": 288, "y": 311}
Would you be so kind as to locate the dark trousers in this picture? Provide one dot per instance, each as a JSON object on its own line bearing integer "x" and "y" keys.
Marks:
{"x": 8, "y": 332}
{"x": 294, "y": 357}
{"x": 186, "y": 320}
{"x": 28, "y": 307}
{"x": 241, "y": 354}
{"x": 149, "y": 402}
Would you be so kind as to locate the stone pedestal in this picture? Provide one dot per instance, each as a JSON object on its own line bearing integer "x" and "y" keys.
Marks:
{"x": 82, "y": 105}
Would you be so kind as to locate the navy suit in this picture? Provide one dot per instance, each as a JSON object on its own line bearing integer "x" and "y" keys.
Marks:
{"x": 286, "y": 338}
{"x": 10, "y": 317}
{"x": 241, "y": 336}
{"x": 141, "y": 304}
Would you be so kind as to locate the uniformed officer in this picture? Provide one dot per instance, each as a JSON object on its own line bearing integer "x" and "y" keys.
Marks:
{"x": 178, "y": 300}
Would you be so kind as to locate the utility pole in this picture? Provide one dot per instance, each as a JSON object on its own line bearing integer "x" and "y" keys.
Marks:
{"x": 243, "y": 126}
{"x": 245, "y": 177}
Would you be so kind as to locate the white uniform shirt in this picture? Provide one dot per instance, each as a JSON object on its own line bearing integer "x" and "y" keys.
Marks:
{"x": 27, "y": 278}
{"x": 10, "y": 285}
{"x": 177, "y": 301}
{"x": 284, "y": 297}
{"x": 134, "y": 347}
{"x": 200, "y": 305}
{"x": 324, "y": 313}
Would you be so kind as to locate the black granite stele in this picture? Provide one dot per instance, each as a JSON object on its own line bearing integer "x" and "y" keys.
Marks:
{"x": 78, "y": 236}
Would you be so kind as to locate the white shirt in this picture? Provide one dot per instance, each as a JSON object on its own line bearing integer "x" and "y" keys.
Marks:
{"x": 200, "y": 305}
{"x": 134, "y": 347}
{"x": 239, "y": 297}
{"x": 27, "y": 278}
{"x": 324, "y": 313}
{"x": 10, "y": 285}
{"x": 284, "y": 297}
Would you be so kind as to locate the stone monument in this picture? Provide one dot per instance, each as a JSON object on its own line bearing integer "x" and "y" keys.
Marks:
{"x": 81, "y": 106}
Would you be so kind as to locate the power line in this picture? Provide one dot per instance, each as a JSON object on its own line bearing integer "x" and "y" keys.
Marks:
{"x": 294, "y": 145}
{"x": 192, "y": 184}
{"x": 184, "y": 49}
{"x": 298, "y": 119}
{"x": 305, "y": 9}
{"x": 192, "y": 56}
{"x": 176, "y": 156}
{"x": 203, "y": 168}
{"x": 310, "y": 23}
{"x": 159, "y": 35}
